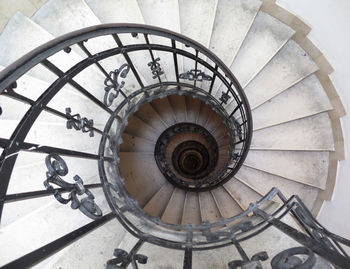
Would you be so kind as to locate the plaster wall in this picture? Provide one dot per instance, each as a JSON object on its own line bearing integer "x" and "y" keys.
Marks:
{"x": 330, "y": 23}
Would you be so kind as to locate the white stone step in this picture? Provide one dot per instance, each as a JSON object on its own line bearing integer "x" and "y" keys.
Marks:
{"x": 243, "y": 194}
{"x": 142, "y": 183}
{"x": 151, "y": 117}
{"x": 80, "y": 254}
{"x": 164, "y": 110}
{"x": 310, "y": 168}
{"x": 40, "y": 227}
{"x": 196, "y": 20}
{"x": 164, "y": 14}
{"x": 310, "y": 133}
{"x": 21, "y": 28}
{"x": 208, "y": 208}
{"x": 265, "y": 38}
{"x": 232, "y": 22}
{"x": 65, "y": 12}
{"x": 133, "y": 143}
{"x": 191, "y": 213}
{"x": 174, "y": 210}
{"x": 158, "y": 203}
{"x": 126, "y": 11}
{"x": 139, "y": 128}
{"x": 225, "y": 203}
{"x": 178, "y": 104}
{"x": 288, "y": 67}
{"x": 305, "y": 99}
{"x": 194, "y": 105}
{"x": 264, "y": 182}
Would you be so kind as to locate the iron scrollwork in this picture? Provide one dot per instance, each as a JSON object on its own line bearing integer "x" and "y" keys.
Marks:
{"x": 287, "y": 259}
{"x": 78, "y": 123}
{"x": 155, "y": 68}
{"x": 58, "y": 168}
{"x": 224, "y": 97}
{"x": 196, "y": 75}
{"x": 123, "y": 259}
{"x": 112, "y": 84}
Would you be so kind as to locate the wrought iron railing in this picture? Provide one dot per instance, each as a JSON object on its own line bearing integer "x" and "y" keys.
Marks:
{"x": 193, "y": 71}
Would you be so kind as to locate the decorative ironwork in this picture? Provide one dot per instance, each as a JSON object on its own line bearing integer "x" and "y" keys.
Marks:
{"x": 196, "y": 75}
{"x": 78, "y": 123}
{"x": 224, "y": 97}
{"x": 123, "y": 259}
{"x": 155, "y": 68}
{"x": 253, "y": 263}
{"x": 288, "y": 259}
{"x": 112, "y": 84}
{"x": 58, "y": 168}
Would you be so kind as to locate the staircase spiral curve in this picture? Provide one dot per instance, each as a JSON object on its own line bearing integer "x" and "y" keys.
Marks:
{"x": 175, "y": 131}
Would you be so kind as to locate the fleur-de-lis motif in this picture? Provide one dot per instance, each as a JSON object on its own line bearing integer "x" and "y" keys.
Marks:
{"x": 58, "y": 168}
{"x": 112, "y": 84}
{"x": 196, "y": 75}
{"x": 78, "y": 123}
{"x": 155, "y": 68}
{"x": 224, "y": 97}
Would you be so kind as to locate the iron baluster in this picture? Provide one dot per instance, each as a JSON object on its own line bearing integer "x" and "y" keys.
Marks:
{"x": 195, "y": 75}
{"x": 154, "y": 64}
{"x": 128, "y": 60}
{"x": 58, "y": 168}
{"x": 108, "y": 76}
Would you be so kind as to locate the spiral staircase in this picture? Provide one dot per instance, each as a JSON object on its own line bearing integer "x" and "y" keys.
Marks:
{"x": 193, "y": 136}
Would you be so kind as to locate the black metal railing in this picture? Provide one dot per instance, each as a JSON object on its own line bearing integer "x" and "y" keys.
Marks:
{"x": 125, "y": 85}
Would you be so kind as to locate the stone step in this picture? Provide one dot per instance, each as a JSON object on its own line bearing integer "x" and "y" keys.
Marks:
{"x": 305, "y": 99}
{"x": 208, "y": 208}
{"x": 157, "y": 204}
{"x": 164, "y": 14}
{"x": 191, "y": 213}
{"x": 233, "y": 20}
{"x": 265, "y": 38}
{"x": 139, "y": 128}
{"x": 178, "y": 105}
{"x": 174, "y": 209}
{"x": 226, "y": 205}
{"x": 263, "y": 182}
{"x": 307, "y": 167}
{"x": 151, "y": 117}
{"x": 132, "y": 143}
{"x": 292, "y": 64}
{"x": 38, "y": 228}
{"x": 310, "y": 133}
{"x": 142, "y": 183}
{"x": 196, "y": 20}
{"x": 164, "y": 110}
{"x": 80, "y": 254}
{"x": 243, "y": 194}
{"x": 21, "y": 28}
{"x": 63, "y": 12}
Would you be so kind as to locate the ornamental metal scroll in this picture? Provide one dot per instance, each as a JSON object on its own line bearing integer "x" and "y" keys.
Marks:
{"x": 155, "y": 68}
{"x": 58, "y": 168}
{"x": 123, "y": 259}
{"x": 112, "y": 84}
{"x": 78, "y": 123}
{"x": 196, "y": 75}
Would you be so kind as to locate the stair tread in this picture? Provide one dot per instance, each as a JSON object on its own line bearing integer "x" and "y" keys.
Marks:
{"x": 141, "y": 129}
{"x": 311, "y": 133}
{"x": 178, "y": 105}
{"x": 232, "y": 22}
{"x": 265, "y": 38}
{"x": 291, "y": 63}
{"x": 164, "y": 110}
{"x": 151, "y": 117}
{"x": 305, "y": 99}
{"x": 242, "y": 193}
{"x": 36, "y": 229}
{"x": 157, "y": 204}
{"x": 225, "y": 203}
{"x": 208, "y": 208}
{"x": 132, "y": 143}
{"x": 174, "y": 209}
{"x": 191, "y": 213}
{"x": 142, "y": 183}
{"x": 310, "y": 168}
{"x": 264, "y": 182}
{"x": 192, "y": 108}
